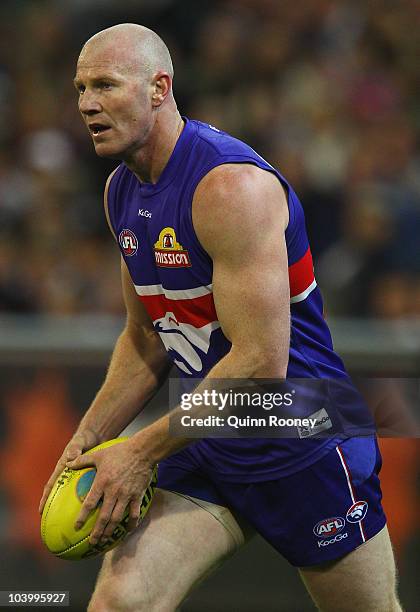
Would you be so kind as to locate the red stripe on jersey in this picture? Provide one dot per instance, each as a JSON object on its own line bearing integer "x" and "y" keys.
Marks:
{"x": 195, "y": 311}
{"x": 301, "y": 274}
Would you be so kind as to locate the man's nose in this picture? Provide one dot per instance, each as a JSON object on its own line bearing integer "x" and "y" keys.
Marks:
{"x": 88, "y": 103}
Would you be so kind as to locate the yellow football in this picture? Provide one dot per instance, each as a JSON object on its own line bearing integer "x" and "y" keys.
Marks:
{"x": 63, "y": 506}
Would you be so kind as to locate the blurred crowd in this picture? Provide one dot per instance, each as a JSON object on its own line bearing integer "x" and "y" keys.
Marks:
{"x": 324, "y": 89}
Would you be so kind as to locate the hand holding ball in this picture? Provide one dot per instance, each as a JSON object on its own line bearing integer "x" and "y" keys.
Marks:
{"x": 63, "y": 506}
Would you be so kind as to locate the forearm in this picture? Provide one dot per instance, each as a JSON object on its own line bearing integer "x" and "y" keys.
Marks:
{"x": 155, "y": 442}
{"x": 134, "y": 375}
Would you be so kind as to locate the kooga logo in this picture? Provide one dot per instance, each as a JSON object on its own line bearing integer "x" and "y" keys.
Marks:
{"x": 144, "y": 213}
{"x": 329, "y": 527}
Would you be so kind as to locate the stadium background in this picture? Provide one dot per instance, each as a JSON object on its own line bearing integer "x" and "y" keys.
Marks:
{"x": 327, "y": 90}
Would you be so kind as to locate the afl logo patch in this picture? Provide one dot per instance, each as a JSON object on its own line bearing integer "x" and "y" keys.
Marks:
{"x": 329, "y": 527}
{"x": 357, "y": 512}
{"x": 128, "y": 242}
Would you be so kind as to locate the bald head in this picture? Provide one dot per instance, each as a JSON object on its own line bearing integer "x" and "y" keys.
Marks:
{"x": 124, "y": 84}
{"x": 132, "y": 47}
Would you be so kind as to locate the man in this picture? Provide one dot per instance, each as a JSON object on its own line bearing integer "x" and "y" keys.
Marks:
{"x": 218, "y": 279}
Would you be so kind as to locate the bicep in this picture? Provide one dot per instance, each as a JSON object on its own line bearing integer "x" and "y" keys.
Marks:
{"x": 251, "y": 296}
{"x": 136, "y": 312}
{"x": 139, "y": 324}
{"x": 240, "y": 217}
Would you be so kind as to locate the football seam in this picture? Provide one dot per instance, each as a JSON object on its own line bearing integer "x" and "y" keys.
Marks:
{"x": 72, "y": 546}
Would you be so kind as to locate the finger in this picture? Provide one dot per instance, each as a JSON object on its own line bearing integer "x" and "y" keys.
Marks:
{"x": 90, "y": 503}
{"x": 73, "y": 452}
{"x": 51, "y": 481}
{"x": 46, "y": 492}
{"x": 116, "y": 517}
{"x": 103, "y": 519}
{"x": 81, "y": 462}
{"x": 134, "y": 519}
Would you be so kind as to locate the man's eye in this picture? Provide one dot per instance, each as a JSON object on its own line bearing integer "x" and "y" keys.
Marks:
{"x": 81, "y": 89}
{"x": 105, "y": 85}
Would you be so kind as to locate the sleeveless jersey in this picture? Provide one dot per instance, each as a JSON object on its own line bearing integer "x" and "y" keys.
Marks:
{"x": 172, "y": 276}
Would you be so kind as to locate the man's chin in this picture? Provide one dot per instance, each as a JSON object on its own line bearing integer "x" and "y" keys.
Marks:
{"x": 106, "y": 151}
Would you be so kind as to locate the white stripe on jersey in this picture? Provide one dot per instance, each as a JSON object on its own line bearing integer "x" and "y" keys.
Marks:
{"x": 174, "y": 294}
{"x": 302, "y": 296}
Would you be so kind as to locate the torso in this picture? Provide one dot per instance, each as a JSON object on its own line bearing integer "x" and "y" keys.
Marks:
{"x": 172, "y": 273}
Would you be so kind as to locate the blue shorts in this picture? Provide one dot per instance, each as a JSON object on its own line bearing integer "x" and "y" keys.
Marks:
{"x": 315, "y": 515}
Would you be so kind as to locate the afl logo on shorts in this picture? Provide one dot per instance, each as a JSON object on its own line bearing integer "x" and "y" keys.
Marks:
{"x": 357, "y": 512}
{"x": 128, "y": 242}
{"x": 329, "y": 527}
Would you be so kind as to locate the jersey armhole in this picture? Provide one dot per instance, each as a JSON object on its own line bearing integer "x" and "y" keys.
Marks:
{"x": 106, "y": 206}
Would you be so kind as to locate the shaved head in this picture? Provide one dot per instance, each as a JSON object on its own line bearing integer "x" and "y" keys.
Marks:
{"x": 132, "y": 47}
{"x": 124, "y": 84}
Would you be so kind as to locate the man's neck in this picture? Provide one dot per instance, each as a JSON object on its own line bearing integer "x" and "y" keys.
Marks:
{"x": 151, "y": 159}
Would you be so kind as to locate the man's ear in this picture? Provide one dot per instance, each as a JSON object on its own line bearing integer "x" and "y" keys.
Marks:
{"x": 161, "y": 88}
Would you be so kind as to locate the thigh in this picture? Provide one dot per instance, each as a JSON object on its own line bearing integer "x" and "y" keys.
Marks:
{"x": 362, "y": 580}
{"x": 177, "y": 544}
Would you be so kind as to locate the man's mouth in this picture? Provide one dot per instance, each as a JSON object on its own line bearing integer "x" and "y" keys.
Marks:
{"x": 98, "y": 128}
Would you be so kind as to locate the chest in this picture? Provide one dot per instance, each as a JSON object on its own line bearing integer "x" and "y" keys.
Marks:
{"x": 158, "y": 242}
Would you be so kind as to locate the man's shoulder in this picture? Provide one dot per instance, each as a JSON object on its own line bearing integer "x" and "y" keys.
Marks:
{"x": 220, "y": 141}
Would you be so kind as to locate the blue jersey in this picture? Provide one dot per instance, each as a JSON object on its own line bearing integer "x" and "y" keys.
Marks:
{"x": 172, "y": 276}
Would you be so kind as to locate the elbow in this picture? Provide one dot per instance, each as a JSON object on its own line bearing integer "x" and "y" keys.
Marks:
{"x": 271, "y": 366}
{"x": 263, "y": 362}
